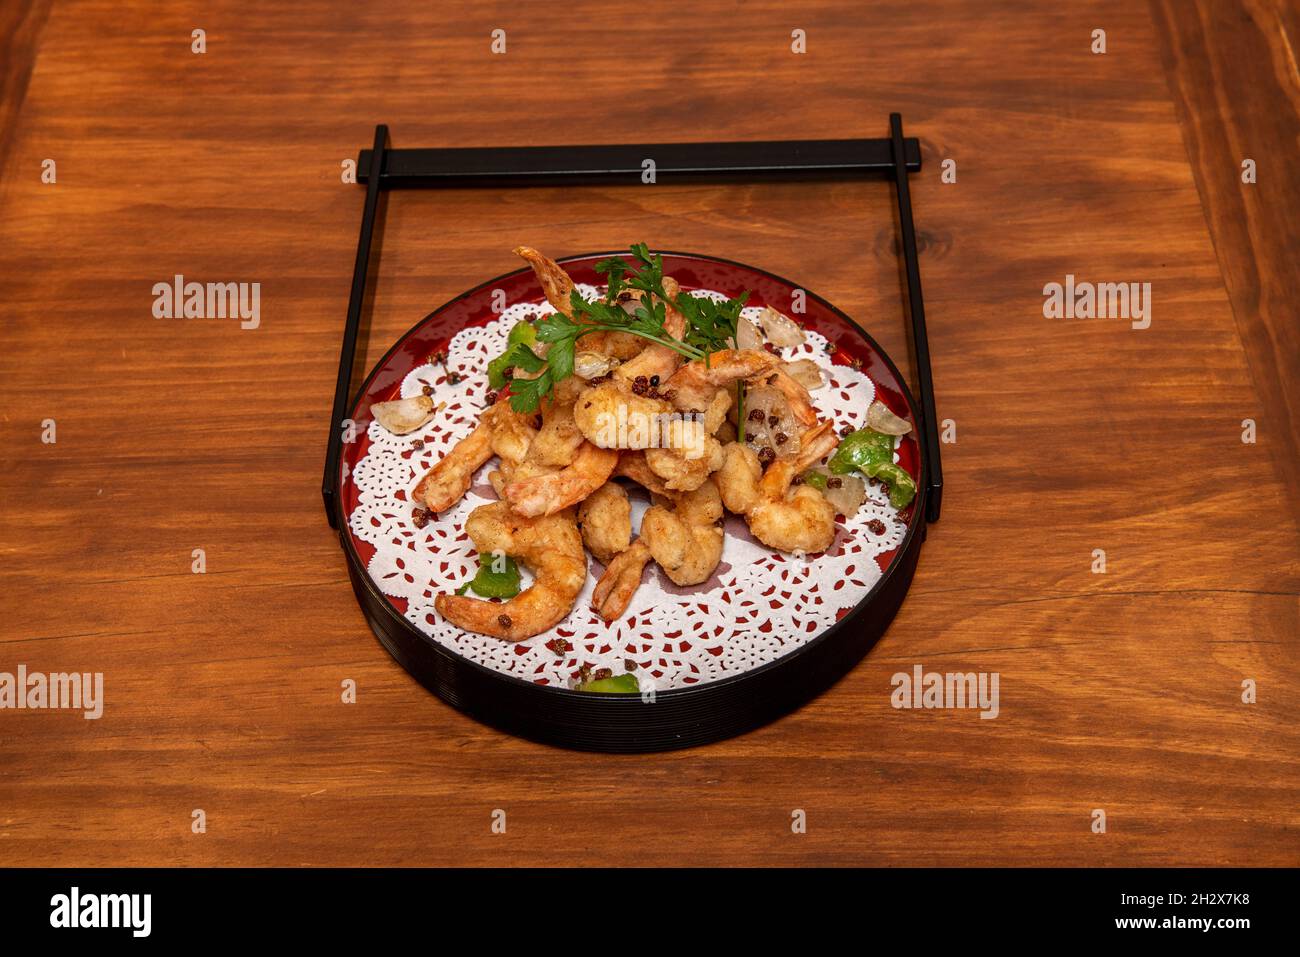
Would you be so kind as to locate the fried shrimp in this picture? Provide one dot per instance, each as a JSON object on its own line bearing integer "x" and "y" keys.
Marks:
{"x": 632, "y": 385}
{"x": 695, "y": 385}
{"x": 559, "y": 438}
{"x": 790, "y": 520}
{"x": 512, "y": 442}
{"x": 612, "y": 417}
{"x": 683, "y": 471}
{"x": 655, "y": 359}
{"x": 549, "y": 546}
{"x": 621, "y": 580}
{"x": 605, "y": 520}
{"x": 501, "y": 431}
{"x": 800, "y": 399}
{"x": 632, "y": 465}
{"x": 551, "y": 492}
{"x": 556, "y": 283}
{"x": 688, "y": 453}
{"x": 686, "y": 539}
{"x": 684, "y": 536}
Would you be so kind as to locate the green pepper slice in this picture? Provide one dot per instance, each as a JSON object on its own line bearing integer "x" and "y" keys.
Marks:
{"x": 502, "y": 582}
{"x": 860, "y": 450}
{"x": 816, "y": 479}
{"x": 872, "y": 453}
{"x": 521, "y": 334}
{"x": 619, "y": 684}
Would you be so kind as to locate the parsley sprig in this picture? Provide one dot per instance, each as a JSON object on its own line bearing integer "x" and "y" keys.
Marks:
{"x": 710, "y": 326}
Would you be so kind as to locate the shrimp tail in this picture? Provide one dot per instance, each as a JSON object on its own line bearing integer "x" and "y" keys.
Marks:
{"x": 556, "y": 283}
{"x": 555, "y": 491}
{"x": 529, "y": 613}
{"x": 621, "y": 580}
{"x": 447, "y": 482}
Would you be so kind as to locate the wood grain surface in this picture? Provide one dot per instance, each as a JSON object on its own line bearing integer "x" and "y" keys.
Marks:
{"x": 1120, "y": 691}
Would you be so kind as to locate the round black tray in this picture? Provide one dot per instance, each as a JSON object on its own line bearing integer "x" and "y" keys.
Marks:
{"x": 671, "y": 718}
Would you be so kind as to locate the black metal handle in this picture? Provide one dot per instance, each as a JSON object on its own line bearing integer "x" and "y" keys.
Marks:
{"x": 579, "y": 165}
{"x": 916, "y": 309}
{"x": 382, "y": 168}
{"x": 347, "y": 354}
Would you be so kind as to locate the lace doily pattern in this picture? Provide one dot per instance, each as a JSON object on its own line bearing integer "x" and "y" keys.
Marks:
{"x": 760, "y": 604}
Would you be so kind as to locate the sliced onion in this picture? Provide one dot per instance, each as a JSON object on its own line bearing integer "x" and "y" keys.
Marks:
{"x": 403, "y": 415}
{"x": 806, "y": 372}
{"x": 777, "y": 422}
{"x": 748, "y": 335}
{"x": 781, "y": 330}
{"x": 592, "y": 365}
{"x": 848, "y": 494}
{"x": 884, "y": 421}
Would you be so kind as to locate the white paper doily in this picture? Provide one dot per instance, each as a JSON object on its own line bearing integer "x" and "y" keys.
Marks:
{"x": 759, "y": 605}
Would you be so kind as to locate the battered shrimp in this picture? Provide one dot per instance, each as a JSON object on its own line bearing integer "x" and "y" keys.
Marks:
{"x": 685, "y": 472}
{"x": 556, "y": 283}
{"x": 688, "y": 453}
{"x": 790, "y": 520}
{"x": 696, "y": 384}
{"x": 632, "y": 464}
{"x": 799, "y": 397}
{"x": 553, "y": 492}
{"x": 612, "y": 417}
{"x": 656, "y": 360}
{"x": 501, "y": 430}
{"x": 686, "y": 539}
{"x": 550, "y": 547}
{"x": 605, "y": 520}
{"x": 512, "y": 441}
{"x": 621, "y": 580}
{"x": 559, "y": 438}
{"x": 683, "y": 534}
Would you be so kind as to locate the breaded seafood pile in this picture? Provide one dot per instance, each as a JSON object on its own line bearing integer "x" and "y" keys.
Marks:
{"x": 652, "y": 386}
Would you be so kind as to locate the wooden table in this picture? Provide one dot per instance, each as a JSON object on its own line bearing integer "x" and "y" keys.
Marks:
{"x": 1120, "y": 691}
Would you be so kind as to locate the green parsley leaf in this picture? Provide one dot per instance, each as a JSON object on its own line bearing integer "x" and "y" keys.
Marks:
{"x": 711, "y": 326}
{"x": 613, "y": 269}
{"x": 526, "y": 394}
{"x": 517, "y": 356}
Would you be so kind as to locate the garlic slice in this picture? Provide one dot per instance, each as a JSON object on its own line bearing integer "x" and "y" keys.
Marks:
{"x": 806, "y": 372}
{"x": 781, "y": 330}
{"x": 403, "y": 415}
{"x": 748, "y": 335}
{"x": 884, "y": 421}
